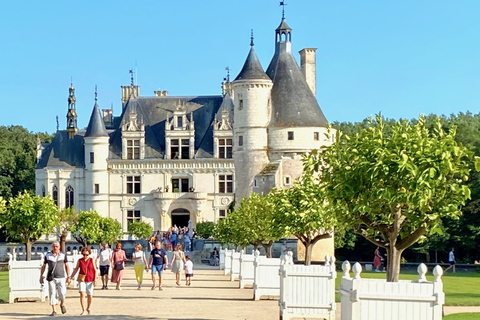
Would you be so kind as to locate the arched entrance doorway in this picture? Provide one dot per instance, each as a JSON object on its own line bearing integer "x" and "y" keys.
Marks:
{"x": 180, "y": 217}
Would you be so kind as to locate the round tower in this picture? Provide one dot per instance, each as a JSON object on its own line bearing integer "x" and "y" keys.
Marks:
{"x": 251, "y": 95}
{"x": 96, "y": 154}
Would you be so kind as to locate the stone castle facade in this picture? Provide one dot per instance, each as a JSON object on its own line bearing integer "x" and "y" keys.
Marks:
{"x": 169, "y": 160}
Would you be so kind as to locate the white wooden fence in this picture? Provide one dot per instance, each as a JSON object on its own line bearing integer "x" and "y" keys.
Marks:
{"x": 228, "y": 261}
{"x": 247, "y": 271}
{"x": 266, "y": 276}
{"x": 24, "y": 279}
{"x": 222, "y": 259}
{"x": 235, "y": 271}
{"x": 374, "y": 299}
{"x": 307, "y": 291}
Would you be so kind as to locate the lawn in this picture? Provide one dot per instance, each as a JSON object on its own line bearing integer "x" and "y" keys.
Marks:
{"x": 461, "y": 289}
{"x": 3, "y": 286}
{"x": 463, "y": 316}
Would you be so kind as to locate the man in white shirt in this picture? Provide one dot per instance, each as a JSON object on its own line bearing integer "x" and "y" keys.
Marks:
{"x": 104, "y": 260}
{"x": 451, "y": 260}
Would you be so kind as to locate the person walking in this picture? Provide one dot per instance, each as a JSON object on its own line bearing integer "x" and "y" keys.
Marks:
{"x": 188, "y": 271}
{"x": 87, "y": 278}
{"x": 377, "y": 260}
{"x": 118, "y": 258}
{"x": 187, "y": 242}
{"x": 104, "y": 261}
{"x": 140, "y": 264}
{"x": 157, "y": 262}
{"x": 451, "y": 260}
{"x": 178, "y": 260}
{"x": 58, "y": 276}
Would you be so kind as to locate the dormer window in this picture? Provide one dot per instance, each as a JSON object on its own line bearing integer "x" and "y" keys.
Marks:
{"x": 133, "y": 137}
{"x": 180, "y": 148}
{"x": 180, "y": 122}
{"x": 225, "y": 147}
{"x": 180, "y": 134}
{"x": 133, "y": 149}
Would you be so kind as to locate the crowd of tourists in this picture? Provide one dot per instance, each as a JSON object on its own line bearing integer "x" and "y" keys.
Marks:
{"x": 173, "y": 236}
{"x": 110, "y": 262}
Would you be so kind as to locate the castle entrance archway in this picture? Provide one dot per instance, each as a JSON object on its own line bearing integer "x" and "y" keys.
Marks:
{"x": 180, "y": 217}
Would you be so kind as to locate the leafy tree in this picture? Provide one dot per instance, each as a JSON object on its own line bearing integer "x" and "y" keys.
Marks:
{"x": 17, "y": 161}
{"x": 395, "y": 184}
{"x": 205, "y": 229}
{"x": 140, "y": 229}
{"x": 86, "y": 229}
{"x": 223, "y": 231}
{"x": 28, "y": 217}
{"x": 67, "y": 220}
{"x": 110, "y": 230}
{"x": 304, "y": 211}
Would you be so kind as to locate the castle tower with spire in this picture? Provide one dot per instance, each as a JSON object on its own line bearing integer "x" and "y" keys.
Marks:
{"x": 96, "y": 155}
{"x": 72, "y": 113}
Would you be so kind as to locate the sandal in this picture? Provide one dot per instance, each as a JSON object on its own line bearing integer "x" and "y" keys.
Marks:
{"x": 53, "y": 314}
{"x": 153, "y": 287}
{"x": 64, "y": 310}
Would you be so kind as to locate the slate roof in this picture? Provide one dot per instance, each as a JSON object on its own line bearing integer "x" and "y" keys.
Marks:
{"x": 63, "y": 152}
{"x": 283, "y": 26}
{"x": 96, "y": 127}
{"x": 293, "y": 103}
{"x": 252, "y": 69}
{"x": 153, "y": 111}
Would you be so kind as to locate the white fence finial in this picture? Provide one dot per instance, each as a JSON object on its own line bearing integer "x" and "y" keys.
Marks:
{"x": 10, "y": 257}
{"x": 357, "y": 269}
{"x": 257, "y": 253}
{"x": 346, "y": 269}
{"x": 327, "y": 260}
{"x": 289, "y": 257}
{"x": 437, "y": 273}
{"x": 422, "y": 271}
{"x": 332, "y": 260}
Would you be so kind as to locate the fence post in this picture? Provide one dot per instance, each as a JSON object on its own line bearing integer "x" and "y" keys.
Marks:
{"x": 438, "y": 293}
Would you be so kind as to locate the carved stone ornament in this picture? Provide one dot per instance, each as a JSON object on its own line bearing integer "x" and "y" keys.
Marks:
{"x": 225, "y": 201}
{"x": 132, "y": 201}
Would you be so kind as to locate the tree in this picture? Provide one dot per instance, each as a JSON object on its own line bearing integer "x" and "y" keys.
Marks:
{"x": 67, "y": 220}
{"x": 140, "y": 229}
{"x": 304, "y": 211}
{"x": 86, "y": 229}
{"x": 205, "y": 229}
{"x": 28, "y": 217}
{"x": 110, "y": 230}
{"x": 396, "y": 183}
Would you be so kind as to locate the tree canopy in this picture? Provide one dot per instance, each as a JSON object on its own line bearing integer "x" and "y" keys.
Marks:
{"x": 140, "y": 229}
{"x": 396, "y": 183}
{"x": 91, "y": 228}
{"x": 28, "y": 217}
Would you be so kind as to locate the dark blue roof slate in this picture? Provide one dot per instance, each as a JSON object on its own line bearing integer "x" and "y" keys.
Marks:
{"x": 96, "y": 127}
{"x": 252, "y": 69}
{"x": 63, "y": 152}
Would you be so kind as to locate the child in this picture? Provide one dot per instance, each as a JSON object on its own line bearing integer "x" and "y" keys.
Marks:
{"x": 188, "y": 271}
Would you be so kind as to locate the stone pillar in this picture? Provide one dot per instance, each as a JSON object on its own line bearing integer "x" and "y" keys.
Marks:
{"x": 308, "y": 65}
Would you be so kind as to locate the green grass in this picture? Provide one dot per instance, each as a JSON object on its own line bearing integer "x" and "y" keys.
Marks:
{"x": 463, "y": 316}
{"x": 3, "y": 286}
{"x": 461, "y": 289}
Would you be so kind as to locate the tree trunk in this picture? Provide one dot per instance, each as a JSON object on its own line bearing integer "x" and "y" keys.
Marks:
{"x": 28, "y": 250}
{"x": 308, "y": 252}
{"x": 63, "y": 238}
{"x": 268, "y": 248}
{"x": 393, "y": 263}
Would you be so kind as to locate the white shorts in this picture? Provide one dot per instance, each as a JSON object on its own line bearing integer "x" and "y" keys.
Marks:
{"x": 56, "y": 290}
{"x": 86, "y": 287}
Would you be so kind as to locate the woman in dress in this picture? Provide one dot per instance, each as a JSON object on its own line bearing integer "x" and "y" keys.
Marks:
{"x": 87, "y": 278}
{"x": 119, "y": 259}
{"x": 377, "y": 260}
{"x": 178, "y": 260}
{"x": 140, "y": 263}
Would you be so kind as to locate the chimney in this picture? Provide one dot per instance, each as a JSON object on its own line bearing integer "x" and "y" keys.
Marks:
{"x": 307, "y": 62}
{"x": 160, "y": 93}
{"x": 129, "y": 91}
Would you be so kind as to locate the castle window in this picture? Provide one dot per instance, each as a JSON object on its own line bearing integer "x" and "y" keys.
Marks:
{"x": 178, "y": 151}
{"x": 68, "y": 197}
{"x": 240, "y": 104}
{"x": 133, "y": 149}
{"x": 180, "y": 185}
{"x": 55, "y": 195}
{"x": 92, "y": 157}
{"x": 288, "y": 180}
{"x": 133, "y": 184}
{"x": 225, "y": 183}
{"x": 43, "y": 191}
{"x": 316, "y": 136}
{"x": 133, "y": 215}
{"x": 97, "y": 188}
{"x": 180, "y": 122}
{"x": 225, "y": 148}
{"x": 290, "y": 135}
{"x": 240, "y": 141}
{"x": 222, "y": 214}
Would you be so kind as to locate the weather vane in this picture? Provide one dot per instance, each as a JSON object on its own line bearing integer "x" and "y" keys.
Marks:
{"x": 131, "y": 77}
{"x": 283, "y": 4}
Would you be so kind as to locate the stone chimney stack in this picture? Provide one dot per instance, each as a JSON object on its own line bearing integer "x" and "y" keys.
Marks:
{"x": 307, "y": 62}
{"x": 160, "y": 93}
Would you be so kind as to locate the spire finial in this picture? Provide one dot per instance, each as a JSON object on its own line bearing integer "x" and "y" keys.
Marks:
{"x": 251, "y": 39}
{"x": 228, "y": 73}
{"x": 96, "y": 94}
{"x": 132, "y": 83}
{"x": 58, "y": 125}
{"x": 71, "y": 81}
{"x": 283, "y": 4}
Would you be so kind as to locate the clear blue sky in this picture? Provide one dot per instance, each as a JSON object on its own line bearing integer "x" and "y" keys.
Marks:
{"x": 402, "y": 58}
